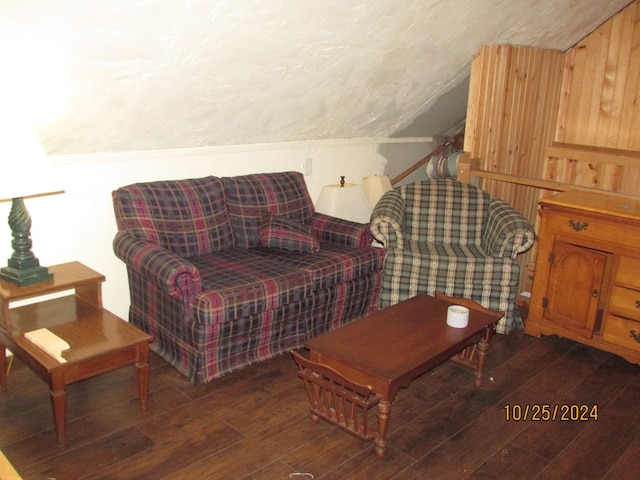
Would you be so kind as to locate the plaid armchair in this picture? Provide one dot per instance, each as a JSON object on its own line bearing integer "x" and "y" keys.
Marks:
{"x": 451, "y": 236}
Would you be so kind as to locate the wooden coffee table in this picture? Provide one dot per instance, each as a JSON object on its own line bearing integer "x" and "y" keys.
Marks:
{"x": 368, "y": 361}
{"x": 100, "y": 341}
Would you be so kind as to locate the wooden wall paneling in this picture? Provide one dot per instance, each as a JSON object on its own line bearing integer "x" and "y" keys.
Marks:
{"x": 477, "y": 103}
{"x": 629, "y": 110}
{"x": 522, "y": 86}
{"x": 522, "y": 100}
{"x": 511, "y": 117}
{"x": 600, "y": 104}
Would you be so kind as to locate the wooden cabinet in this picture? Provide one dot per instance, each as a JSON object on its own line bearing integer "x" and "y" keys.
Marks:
{"x": 587, "y": 278}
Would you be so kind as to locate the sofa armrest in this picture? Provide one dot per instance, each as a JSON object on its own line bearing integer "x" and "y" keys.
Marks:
{"x": 341, "y": 232}
{"x": 173, "y": 274}
{"x": 387, "y": 219}
{"x": 506, "y": 233}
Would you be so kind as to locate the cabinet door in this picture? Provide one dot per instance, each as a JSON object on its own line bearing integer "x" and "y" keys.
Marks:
{"x": 574, "y": 288}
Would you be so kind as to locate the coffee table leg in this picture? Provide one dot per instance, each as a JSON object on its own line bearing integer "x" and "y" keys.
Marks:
{"x": 384, "y": 413}
{"x": 483, "y": 349}
{"x": 142, "y": 375}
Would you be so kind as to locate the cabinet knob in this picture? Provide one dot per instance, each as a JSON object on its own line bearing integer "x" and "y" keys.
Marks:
{"x": 637, "y": 303}
{"x": 595, "y": 293}
{"x": 635, "y": 335}
{"x": 577, "y": 225}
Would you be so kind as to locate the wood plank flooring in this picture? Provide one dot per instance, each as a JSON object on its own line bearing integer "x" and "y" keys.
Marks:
{"x": 254, "y": 424}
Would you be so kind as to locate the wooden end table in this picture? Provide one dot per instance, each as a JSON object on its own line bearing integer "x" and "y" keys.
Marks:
{"x": 99, "y": 340}
{"x": 368, "y": 361}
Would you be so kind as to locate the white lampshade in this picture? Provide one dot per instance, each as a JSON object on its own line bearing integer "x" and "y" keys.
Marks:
{"x": 347, "y": 202}
{"x": 374, "y": 187}
{"x": 26, "y": 172}
{"x": 26, "y": 169}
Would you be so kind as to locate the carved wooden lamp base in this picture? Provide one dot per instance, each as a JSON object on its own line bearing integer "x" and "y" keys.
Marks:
{"x": 23, "y": 267}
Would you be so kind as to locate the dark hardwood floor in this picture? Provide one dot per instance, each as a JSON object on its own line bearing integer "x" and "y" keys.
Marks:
{"x": 255, "y": 423}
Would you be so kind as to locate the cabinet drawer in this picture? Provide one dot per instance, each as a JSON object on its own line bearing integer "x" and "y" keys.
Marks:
{"x": 621, "y": 332}
{"x": 628, "y": 271}
{"x": 625, "y": 302}
{"x": 588, "y": 227}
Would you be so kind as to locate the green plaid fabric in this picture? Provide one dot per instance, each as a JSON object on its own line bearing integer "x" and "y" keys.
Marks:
{"x": 450, "y": 236}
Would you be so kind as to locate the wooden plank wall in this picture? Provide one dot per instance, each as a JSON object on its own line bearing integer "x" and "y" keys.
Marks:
{"x": 600, "y": 105}
{"x": 511, "y": 116}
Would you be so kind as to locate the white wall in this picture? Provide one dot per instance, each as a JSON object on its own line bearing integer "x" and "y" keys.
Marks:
{"x": 403, "y": 155}
{"x": 79, "y": 224}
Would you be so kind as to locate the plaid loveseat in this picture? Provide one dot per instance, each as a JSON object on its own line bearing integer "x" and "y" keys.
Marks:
{"x": 450, "y": 236}
{"x": 224, "y": 272}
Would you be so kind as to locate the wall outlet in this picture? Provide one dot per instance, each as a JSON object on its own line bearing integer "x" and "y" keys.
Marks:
{"x": 307, "y": 167}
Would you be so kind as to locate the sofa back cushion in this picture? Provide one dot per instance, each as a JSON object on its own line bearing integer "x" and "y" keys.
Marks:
{"x": 187, "y": 217}
{"x": 444, "y": 211}
{"x": 251, "y": 197}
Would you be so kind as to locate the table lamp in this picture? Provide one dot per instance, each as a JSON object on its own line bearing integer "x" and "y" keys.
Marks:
{"x": 26, "y": 172}
{"x": 344, "y": 200}
{"x": 374, "y": 187}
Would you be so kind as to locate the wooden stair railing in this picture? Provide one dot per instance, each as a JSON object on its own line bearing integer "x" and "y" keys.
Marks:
{"x": 457, "y": 140}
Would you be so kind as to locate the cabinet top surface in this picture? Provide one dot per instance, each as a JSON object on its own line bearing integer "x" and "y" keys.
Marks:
{"x": 612, "y": 205}
{"x": 65, "y": 276}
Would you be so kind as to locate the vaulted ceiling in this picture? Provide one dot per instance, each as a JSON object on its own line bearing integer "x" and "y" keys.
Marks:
{"x": 124, "y": 75}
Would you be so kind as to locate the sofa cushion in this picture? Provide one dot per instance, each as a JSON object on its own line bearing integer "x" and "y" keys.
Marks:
{"x": 251, "y": 197}
{"x": 332, "y": 264}
{"x": 187, "y": 217}
{"x": 285, "y": 234}
{"x": 238, "y": 283}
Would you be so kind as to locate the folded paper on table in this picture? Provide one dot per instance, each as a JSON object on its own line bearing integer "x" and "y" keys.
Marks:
{"x": 49, "y": 342}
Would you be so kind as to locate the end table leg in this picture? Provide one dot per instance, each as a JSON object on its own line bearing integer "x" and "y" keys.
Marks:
{"x": 384, "y": 413}
{"x": 3, "y": 368}
{"x": 59, "y": 404}
{"x": 142, "y": 375}
{"x": 483, "y": 348}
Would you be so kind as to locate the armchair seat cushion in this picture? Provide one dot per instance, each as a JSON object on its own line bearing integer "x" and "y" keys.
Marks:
{"x": 457, "y": 270}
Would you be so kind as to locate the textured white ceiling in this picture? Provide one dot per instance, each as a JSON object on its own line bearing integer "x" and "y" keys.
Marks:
{"x": 121, "y": 75}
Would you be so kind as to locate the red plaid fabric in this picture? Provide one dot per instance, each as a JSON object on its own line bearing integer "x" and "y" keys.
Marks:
{"x": 187, "y": 217}
{"x": 251, "y": 197}
{"x": 284, "y": 234}
{"x": 214, "y": 299}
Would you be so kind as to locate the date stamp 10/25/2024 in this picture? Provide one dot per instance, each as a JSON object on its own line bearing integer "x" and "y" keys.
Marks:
{"x": 545, "y": 412}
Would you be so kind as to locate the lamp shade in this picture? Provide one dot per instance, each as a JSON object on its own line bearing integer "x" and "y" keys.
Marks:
{"x": 374, "y": 187}
{"x": 26, "y": 172}
{"x": 347, "y": 202}
{"x": 26, "y": 169}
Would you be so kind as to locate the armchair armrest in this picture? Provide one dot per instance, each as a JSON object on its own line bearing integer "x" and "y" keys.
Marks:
{"x": 341, "y": 232}
{"x": 173, "y": 274}
{"x": 507, "y": 233}
{"x": 387, "y": 219}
